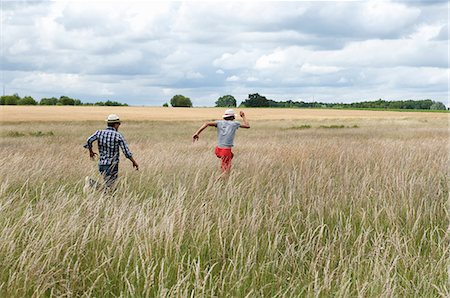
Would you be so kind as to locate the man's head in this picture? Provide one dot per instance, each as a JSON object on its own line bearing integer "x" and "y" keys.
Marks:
{"x": 229, "y": 115}
{"x": 113, "y": 121}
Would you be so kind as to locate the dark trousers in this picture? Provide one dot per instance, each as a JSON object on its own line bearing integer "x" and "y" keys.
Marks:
{"x": 109, "y": 173}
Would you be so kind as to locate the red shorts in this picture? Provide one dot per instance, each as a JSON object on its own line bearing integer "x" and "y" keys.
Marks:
{"x": 226, "y": 155}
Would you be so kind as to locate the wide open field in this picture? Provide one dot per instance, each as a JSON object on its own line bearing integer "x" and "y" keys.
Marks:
{"x": 320, "y": 202}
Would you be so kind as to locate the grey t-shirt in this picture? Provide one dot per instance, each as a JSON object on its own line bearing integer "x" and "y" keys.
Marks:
{"x": 226, "y": 130}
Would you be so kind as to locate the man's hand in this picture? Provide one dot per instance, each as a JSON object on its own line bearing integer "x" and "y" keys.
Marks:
{"x": 92, "y": 154}
{"x": 195, "y": 138}
{"x": 245, "y": 125}
{"x": 135, "y": 164}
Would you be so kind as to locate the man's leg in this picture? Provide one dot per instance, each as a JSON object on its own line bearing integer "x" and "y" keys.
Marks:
{"x": 226, "y": 161}
{"x": 110, "y": 175}
{"x": 226, "y": 156}
{"x": 90, "y": 183}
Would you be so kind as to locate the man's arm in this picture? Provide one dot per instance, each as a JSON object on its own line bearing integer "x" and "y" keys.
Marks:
{"x": 88, "y": 145}
{"x": 246, "y": 124}
{"x": 196, "y": 135}
{"x": 135, "y": 164}
{"x": 126, "y": 151}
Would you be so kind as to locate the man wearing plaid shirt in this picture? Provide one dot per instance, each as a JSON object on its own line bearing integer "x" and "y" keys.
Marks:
{"x": 109, "y": 140}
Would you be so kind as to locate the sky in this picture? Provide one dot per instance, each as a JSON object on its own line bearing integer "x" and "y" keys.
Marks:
{"x": 143, "y": 53}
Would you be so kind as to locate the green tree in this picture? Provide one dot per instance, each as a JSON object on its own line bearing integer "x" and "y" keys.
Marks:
{"x": 256, "y": 100}
{"x": 10, "y": 99}
{"x": 27, "y": 100}
{"x": 181, "y": 101}
{"x": 165, "y": 104}
{"x": 226, "y": 101}
{"x": 52, "y": 101}
{"x": 65, "y": 101}
{"x": 437, "y": 105}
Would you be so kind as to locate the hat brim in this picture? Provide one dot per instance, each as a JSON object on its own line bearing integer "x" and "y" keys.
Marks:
{"x": 113, "y": 121}
{"x": 229, "y": 115}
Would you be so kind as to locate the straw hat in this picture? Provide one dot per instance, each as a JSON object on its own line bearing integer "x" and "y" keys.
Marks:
{"x": 229, "y": 113}
{"x": 113, "y": 118}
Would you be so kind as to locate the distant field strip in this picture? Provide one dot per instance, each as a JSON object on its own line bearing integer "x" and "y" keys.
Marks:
{"x": 86, "y": 113}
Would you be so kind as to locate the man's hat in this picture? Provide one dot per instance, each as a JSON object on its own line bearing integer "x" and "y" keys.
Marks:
{"x": 113, "y": 118}
{"x": 229, "y": 113}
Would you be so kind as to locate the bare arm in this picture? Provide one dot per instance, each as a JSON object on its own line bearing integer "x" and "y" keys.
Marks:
{"x": 88, "y": 145}
{"x": 92, "y": 154}
{"x": 135, "y": 164}
{"x": 124, "y": 146}
{"x": 246, "y": 124}
{"x": 196, "y": 135}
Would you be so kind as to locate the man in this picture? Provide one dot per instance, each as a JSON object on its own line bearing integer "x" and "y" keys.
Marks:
{"x": 109, "y": 140}
{"x": 226, "y": 130}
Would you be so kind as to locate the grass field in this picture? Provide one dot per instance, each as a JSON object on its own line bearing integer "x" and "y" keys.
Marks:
{"x": 320, "y": 203}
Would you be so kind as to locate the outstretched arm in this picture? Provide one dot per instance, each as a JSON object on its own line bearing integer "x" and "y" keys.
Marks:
{"x": 196, "y": 135}
{"x": 246, "y": 124}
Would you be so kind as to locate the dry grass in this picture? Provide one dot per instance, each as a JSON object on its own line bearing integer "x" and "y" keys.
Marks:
{"x": 356, "y": 211}
{"x": 86, "y": 113}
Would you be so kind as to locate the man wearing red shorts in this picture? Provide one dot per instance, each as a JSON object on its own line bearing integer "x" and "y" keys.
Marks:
{"x": 226, "y": 130}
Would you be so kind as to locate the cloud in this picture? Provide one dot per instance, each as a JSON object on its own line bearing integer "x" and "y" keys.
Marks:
{"x": 238, "y": 60}
{"x": 145, "y": 52}
{"x": 317, "y": 69}
{"x": 233, "y": 79}
{"x": 194, "y": 75}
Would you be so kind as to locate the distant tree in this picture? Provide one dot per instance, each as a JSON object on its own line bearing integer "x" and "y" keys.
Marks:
{"x": 52, "y": 101}
{"x": 226, "y": 101}
{"x": 27, "y": 100}
{"x": 10, "y": 99}
{"x": 112, "y": 103}
{"x": 256, "y": 100}
{"x": 109, "y": 103}
{"x": 180, "y": 101}
{"x": 437, "y": 105}
{"x": 165, "y": 105}
{"x": 77, "y": 102}
{"x": 65, "y": 101}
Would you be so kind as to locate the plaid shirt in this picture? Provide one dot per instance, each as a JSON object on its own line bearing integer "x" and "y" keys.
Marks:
{"x": 109, "y": 141}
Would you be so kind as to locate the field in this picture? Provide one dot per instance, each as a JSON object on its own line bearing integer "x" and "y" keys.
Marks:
{"x": 320, "y": 203}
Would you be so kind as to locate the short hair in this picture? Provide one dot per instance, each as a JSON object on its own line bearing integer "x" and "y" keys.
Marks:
{"x": 111, "y": 124}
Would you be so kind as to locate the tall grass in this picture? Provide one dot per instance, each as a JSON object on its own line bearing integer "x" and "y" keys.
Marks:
{"x": 311, "y": 212}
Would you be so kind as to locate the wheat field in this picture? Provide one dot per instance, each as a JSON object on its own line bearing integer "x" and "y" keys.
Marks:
{"x": 317, "y": 205}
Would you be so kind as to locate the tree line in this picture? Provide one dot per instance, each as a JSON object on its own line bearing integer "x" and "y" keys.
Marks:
{"x": 253, "y": 100}
{"x": 257, "y": 100}
{"x": 15, "y": 99}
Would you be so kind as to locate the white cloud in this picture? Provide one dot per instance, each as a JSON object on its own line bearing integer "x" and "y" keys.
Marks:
{"x": 19, "y": 47}
{"x": 233, "y": 79}
{"x": 194, "y": 75}
{"x": 273, "y": 60}
{"x": 146, "y": 52}
{"x": 427, "y": 32}
{"x": 240, "y": 59}
{"x": 317, "y": 69}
